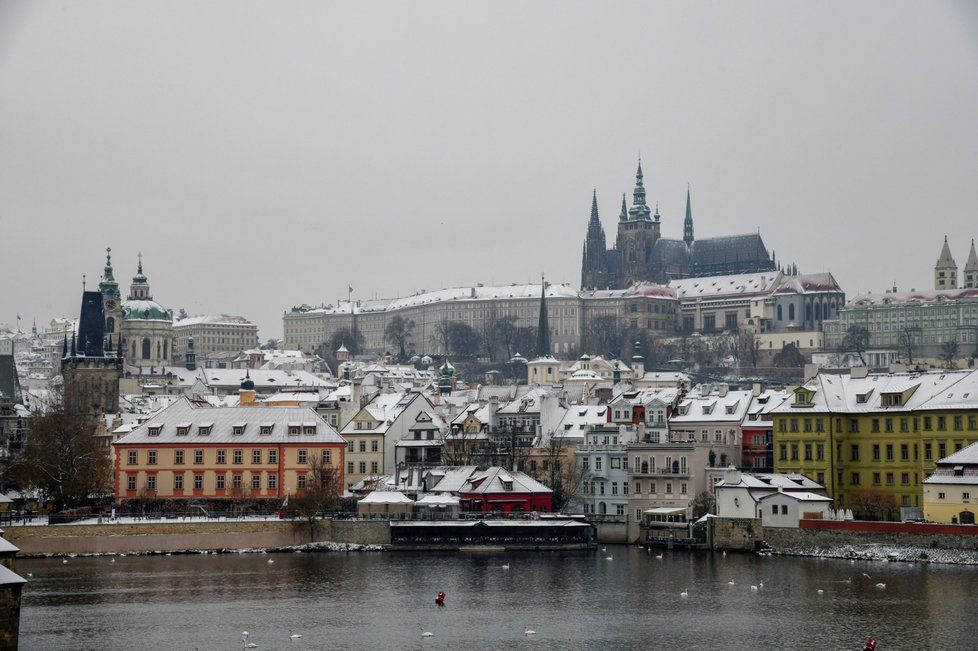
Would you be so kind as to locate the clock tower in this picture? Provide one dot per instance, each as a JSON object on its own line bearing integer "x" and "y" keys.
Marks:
{"x": 111, "y": 300}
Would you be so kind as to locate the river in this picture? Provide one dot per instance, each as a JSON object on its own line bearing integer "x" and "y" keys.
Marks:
{"x": 622, "y": 598}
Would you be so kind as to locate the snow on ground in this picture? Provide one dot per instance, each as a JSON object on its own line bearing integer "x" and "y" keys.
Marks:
{"x": 896, "y": 553}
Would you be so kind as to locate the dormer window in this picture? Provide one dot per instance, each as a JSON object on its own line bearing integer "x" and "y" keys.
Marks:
{"x": 204, "y": 429}
{"x": 507, "y": 485}
{"x": 154, "y": 430}
{"x": 294, "y": 428}
{"x": 265, "y": 429}
{"x": 238, "y": 429}
{"x": 308, "y": 428}
{"x": 183, "y": 430}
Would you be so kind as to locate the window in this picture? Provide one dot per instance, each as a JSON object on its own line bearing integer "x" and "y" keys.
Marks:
{"x": 774, "y": 509}
{"x": 941, "y": 450}
{"x": 300, "y": 482}
{"x": 783, "y": 452}
{"x": 876, "y": 452}
{"x": 373, "y": 467}
{"x": 363, "y": 446}
{"x": 808, "y": 452}
{"x": 904, "y": 452}
{"x": 820, "y": 478}
{"x": 303, "y": 456}
{"x": 236, "y": 480}
{"x": 958, "y": 423}
{"x": 256, "y": 456}
{"x": 238, "y": 456}
{"x": 222, "y": 456}
{"x": 373, "y": 445}
{"x": 784, "y": 509}
{"x": 854, "y": 452}
{"x": 597, "y": 463}
{"x": 151, "y": 482}
{"x": 183, "y": 430}
{"x": 133, "y": 457}
{"x": 265, "y": 429}
{"x": 889, "y": 452}
{"x": 349, "y": 467}
{"x": 154, "y": 431}
{"x": 220, "y": 482}
{"x": 151, "y": 457}
{"x": 682, "y": 488}
{"x": 255, "y": 481}
{"x": 877, "y": 478}
{"x": 614, "y": 488}
{"x": 273, "y": 456}
{"x": 327, "y": 457}
{"x": 940, "y": 496}
{"x": 178, "y": 482}
{"x": 927, "y": 451}
{"x": 889, "y": 478}
{"x": 363, "y": 467}
{"x": 876, "y": 425}
{"x": 272, "y": 481}
{"x": 905, "y": 478}
{"x": 966, "y": 496}
{"x": 198, "y": 456}
{"x": 669, "y": 488}
{"x": 820, "y": 451}
{"x": 855, "y": 479}
{"x": 198, "y": 482}
{"x": 349, "y": 446}
{"x": 794, "y": 452}
{"x": 131, "y": 482}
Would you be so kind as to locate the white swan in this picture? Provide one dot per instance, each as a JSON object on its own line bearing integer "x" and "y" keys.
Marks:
{"x": 425, "y": 633}
{"x": 881, "y": 586}
{"x": 528, "y": 631}
{"x": 730, "y": 582}
{"x": 684, "y": 593}
{"x": 820, "y": 591}
{"x": 504, "y": 566}
{"x": 753, "y": 588}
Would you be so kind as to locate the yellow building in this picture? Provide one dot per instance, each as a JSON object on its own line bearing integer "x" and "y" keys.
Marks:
{"x": 951, "y": 492}
{"x": 193, "y": 451}
{"x": 872, "y": 439}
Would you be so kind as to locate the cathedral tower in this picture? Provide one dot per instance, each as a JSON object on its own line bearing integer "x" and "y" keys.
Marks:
{"x": 594, "y": 267}
{"x": 946, "y": 269}
{"x": 971, "y": 269}
{"x": 637, "y": 234}
{"x": 688, "y": 222}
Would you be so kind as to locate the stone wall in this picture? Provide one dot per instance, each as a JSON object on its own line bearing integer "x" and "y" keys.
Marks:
{"x": 10, "y": 615}
{"x": 181, "y": 536}
{"x": 786, "y": 540}
{"x": 741, "y": 534}
{"x": 611, "y": 532}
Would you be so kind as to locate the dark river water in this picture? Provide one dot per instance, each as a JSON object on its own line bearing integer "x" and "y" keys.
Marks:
{"x": 581, "y": 600}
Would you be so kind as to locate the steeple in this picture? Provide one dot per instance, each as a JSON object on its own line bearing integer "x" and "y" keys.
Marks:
{"x": 543, "y": 324}
{"x": 109, "y": 287}
{"x": 139, "y": 289}
{"x": 623, "y": 217}
{"x": 971, "y": 269}
{"x": 688, "y": 222}
{"x": 594, "y": 209}
{"x": 946, "y": 269}
{"x": 639, "y": 211}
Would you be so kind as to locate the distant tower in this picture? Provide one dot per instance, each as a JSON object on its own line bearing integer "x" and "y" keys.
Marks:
{"x": 946, "y": 270}
{"x": 91, "y": 374}
{"x": 688, "y": 222}
{"x": 971, "y": 269}
{"x": 636, "y": 236}
{"x": 543, "y": 324}
{"x": 111, "y": 299}
{"x": 594, "y": 270}
{"x": 191, "y": 357}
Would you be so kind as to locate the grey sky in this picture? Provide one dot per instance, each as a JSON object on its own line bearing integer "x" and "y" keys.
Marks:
{"x": 262, "y": 155}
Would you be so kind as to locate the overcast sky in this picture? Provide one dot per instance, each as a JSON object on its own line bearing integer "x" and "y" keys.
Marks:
{"x": 267, "y": 154}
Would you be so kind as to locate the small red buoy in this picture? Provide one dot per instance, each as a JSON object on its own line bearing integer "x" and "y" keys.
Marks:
{"x": 440, "y": 599}
{"x": 870, "y": 645}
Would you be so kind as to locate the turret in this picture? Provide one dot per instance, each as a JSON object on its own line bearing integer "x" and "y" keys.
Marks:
{"x": 946, "y": 269}
{"x": 640, "y": 210}
{"x": 971, "y": 269}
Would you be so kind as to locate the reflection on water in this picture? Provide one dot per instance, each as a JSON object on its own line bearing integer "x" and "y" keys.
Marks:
{"x": 572, "y": 600}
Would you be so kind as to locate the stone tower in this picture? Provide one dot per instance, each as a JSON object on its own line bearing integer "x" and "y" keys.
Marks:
{"x": 946, "y": 270}
{"x": 971, "y": 269}
{"x": 111, "y": 300}
{"x": 637, "y": 234}
{"x": 91, "y": 368}
{"x": 594, "y": 268}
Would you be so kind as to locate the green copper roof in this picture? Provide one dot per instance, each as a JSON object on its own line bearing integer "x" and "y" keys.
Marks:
{"x": 145, "y": 311}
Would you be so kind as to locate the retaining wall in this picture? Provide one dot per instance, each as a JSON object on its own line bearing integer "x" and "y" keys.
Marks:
{"x": 831, "y": 533}
{"x": 739, "y": 534}
{"x": 181, "y": 536}
{"x": 611, "y": 532}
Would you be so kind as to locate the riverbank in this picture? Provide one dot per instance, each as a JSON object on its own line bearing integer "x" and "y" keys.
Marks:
{"x": 881, "y": 552}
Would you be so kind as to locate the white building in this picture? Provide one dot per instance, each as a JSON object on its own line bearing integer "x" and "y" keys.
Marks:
{"x": 784, "y": 510}
{"x": 738, "y": 494}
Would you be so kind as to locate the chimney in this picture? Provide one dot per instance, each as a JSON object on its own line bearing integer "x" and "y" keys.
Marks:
{"x": 756, "y": 389}
{"x": 722, "y": 389}
{"x": 493, "y": 415}
{"x": 857, "y": 372}
{"x": 731, "y": 476}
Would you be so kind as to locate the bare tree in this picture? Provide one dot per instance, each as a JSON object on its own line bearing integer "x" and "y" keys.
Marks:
{"x": 747, "y": 347}
{"x": 907, "y": 340}
{"x": 561, "y": 473}
{"x": 397, "y": 332}
{"x": 949, "y": 353}
{"x": 62, "y": 459}
{"x": 321, "y": 494}
{"x": 441, "y": 336}
{"x": 856, "y": 341}
{"x": 702, "y": 504}
{"x": 789, "y": 357}
{"x": 873, "y": 505}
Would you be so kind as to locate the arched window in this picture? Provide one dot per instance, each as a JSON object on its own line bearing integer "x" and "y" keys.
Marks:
{"x": 147, "y": 349}
{"x": 780, "y": 314}
{"x": 110, "y": 325}
{"x": 159, "y": 350}
{"x": 791, "y": 312}
{"x": 134, "y": 350}
{"x": 808, "y": 311}
{"x": 166, "y": 349}
{"x": 818, "y": 311}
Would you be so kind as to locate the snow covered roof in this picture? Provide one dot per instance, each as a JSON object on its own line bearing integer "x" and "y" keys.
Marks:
{"x": 808, "y": 283}
{"x": 703, "y": 406}
{"x": 211, "y": 319}
{"x": 900, "y": 298}
{"x": 386, "y": 497}
{"x": 499, "y": 480}
{"x": 964, "y": 456}
{"x": 264, "y": 379}
{"x": 529, "y": 402}
{"x": 789, "y": 482}
{"x": 725, "y": 286}
{"x": 800, "y": 496}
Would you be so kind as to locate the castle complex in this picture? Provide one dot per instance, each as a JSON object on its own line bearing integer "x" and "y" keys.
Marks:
{"x": 641, "y": 254}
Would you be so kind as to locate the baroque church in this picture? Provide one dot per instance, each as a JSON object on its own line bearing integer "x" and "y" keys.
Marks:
{"x": 641, "y": 253}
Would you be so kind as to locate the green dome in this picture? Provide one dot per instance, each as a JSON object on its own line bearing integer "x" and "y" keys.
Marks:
{"x": 143, "y": 310}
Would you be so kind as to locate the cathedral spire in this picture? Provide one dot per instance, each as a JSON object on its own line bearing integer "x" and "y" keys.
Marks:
{"x": 543, "y": 325}
{"x": 594, "y": 207}
{"x": 624, "y": 209}
{"x": 109, "y": 287}
{"x": 688, "y": 222}
{"x": 639, "y": 211}
{"x": 946, "y": 269}
{"x": 971, "y": 269}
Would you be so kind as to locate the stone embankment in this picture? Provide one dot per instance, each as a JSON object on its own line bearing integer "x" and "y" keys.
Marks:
{"x": 209, "y": 535}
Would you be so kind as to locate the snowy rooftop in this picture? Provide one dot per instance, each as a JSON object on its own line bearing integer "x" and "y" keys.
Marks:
{"x": 216, "y": 319}
{"x": 900, "y": 298}
{"x": 724, "y": 286}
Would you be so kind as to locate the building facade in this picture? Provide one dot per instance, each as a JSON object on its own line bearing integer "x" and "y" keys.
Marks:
{"x": 187, "y": 451}
{"x": 223, "y": 333}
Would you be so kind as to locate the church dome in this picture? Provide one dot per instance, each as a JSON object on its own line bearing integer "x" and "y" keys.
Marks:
{"x": 145, "y": 310}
